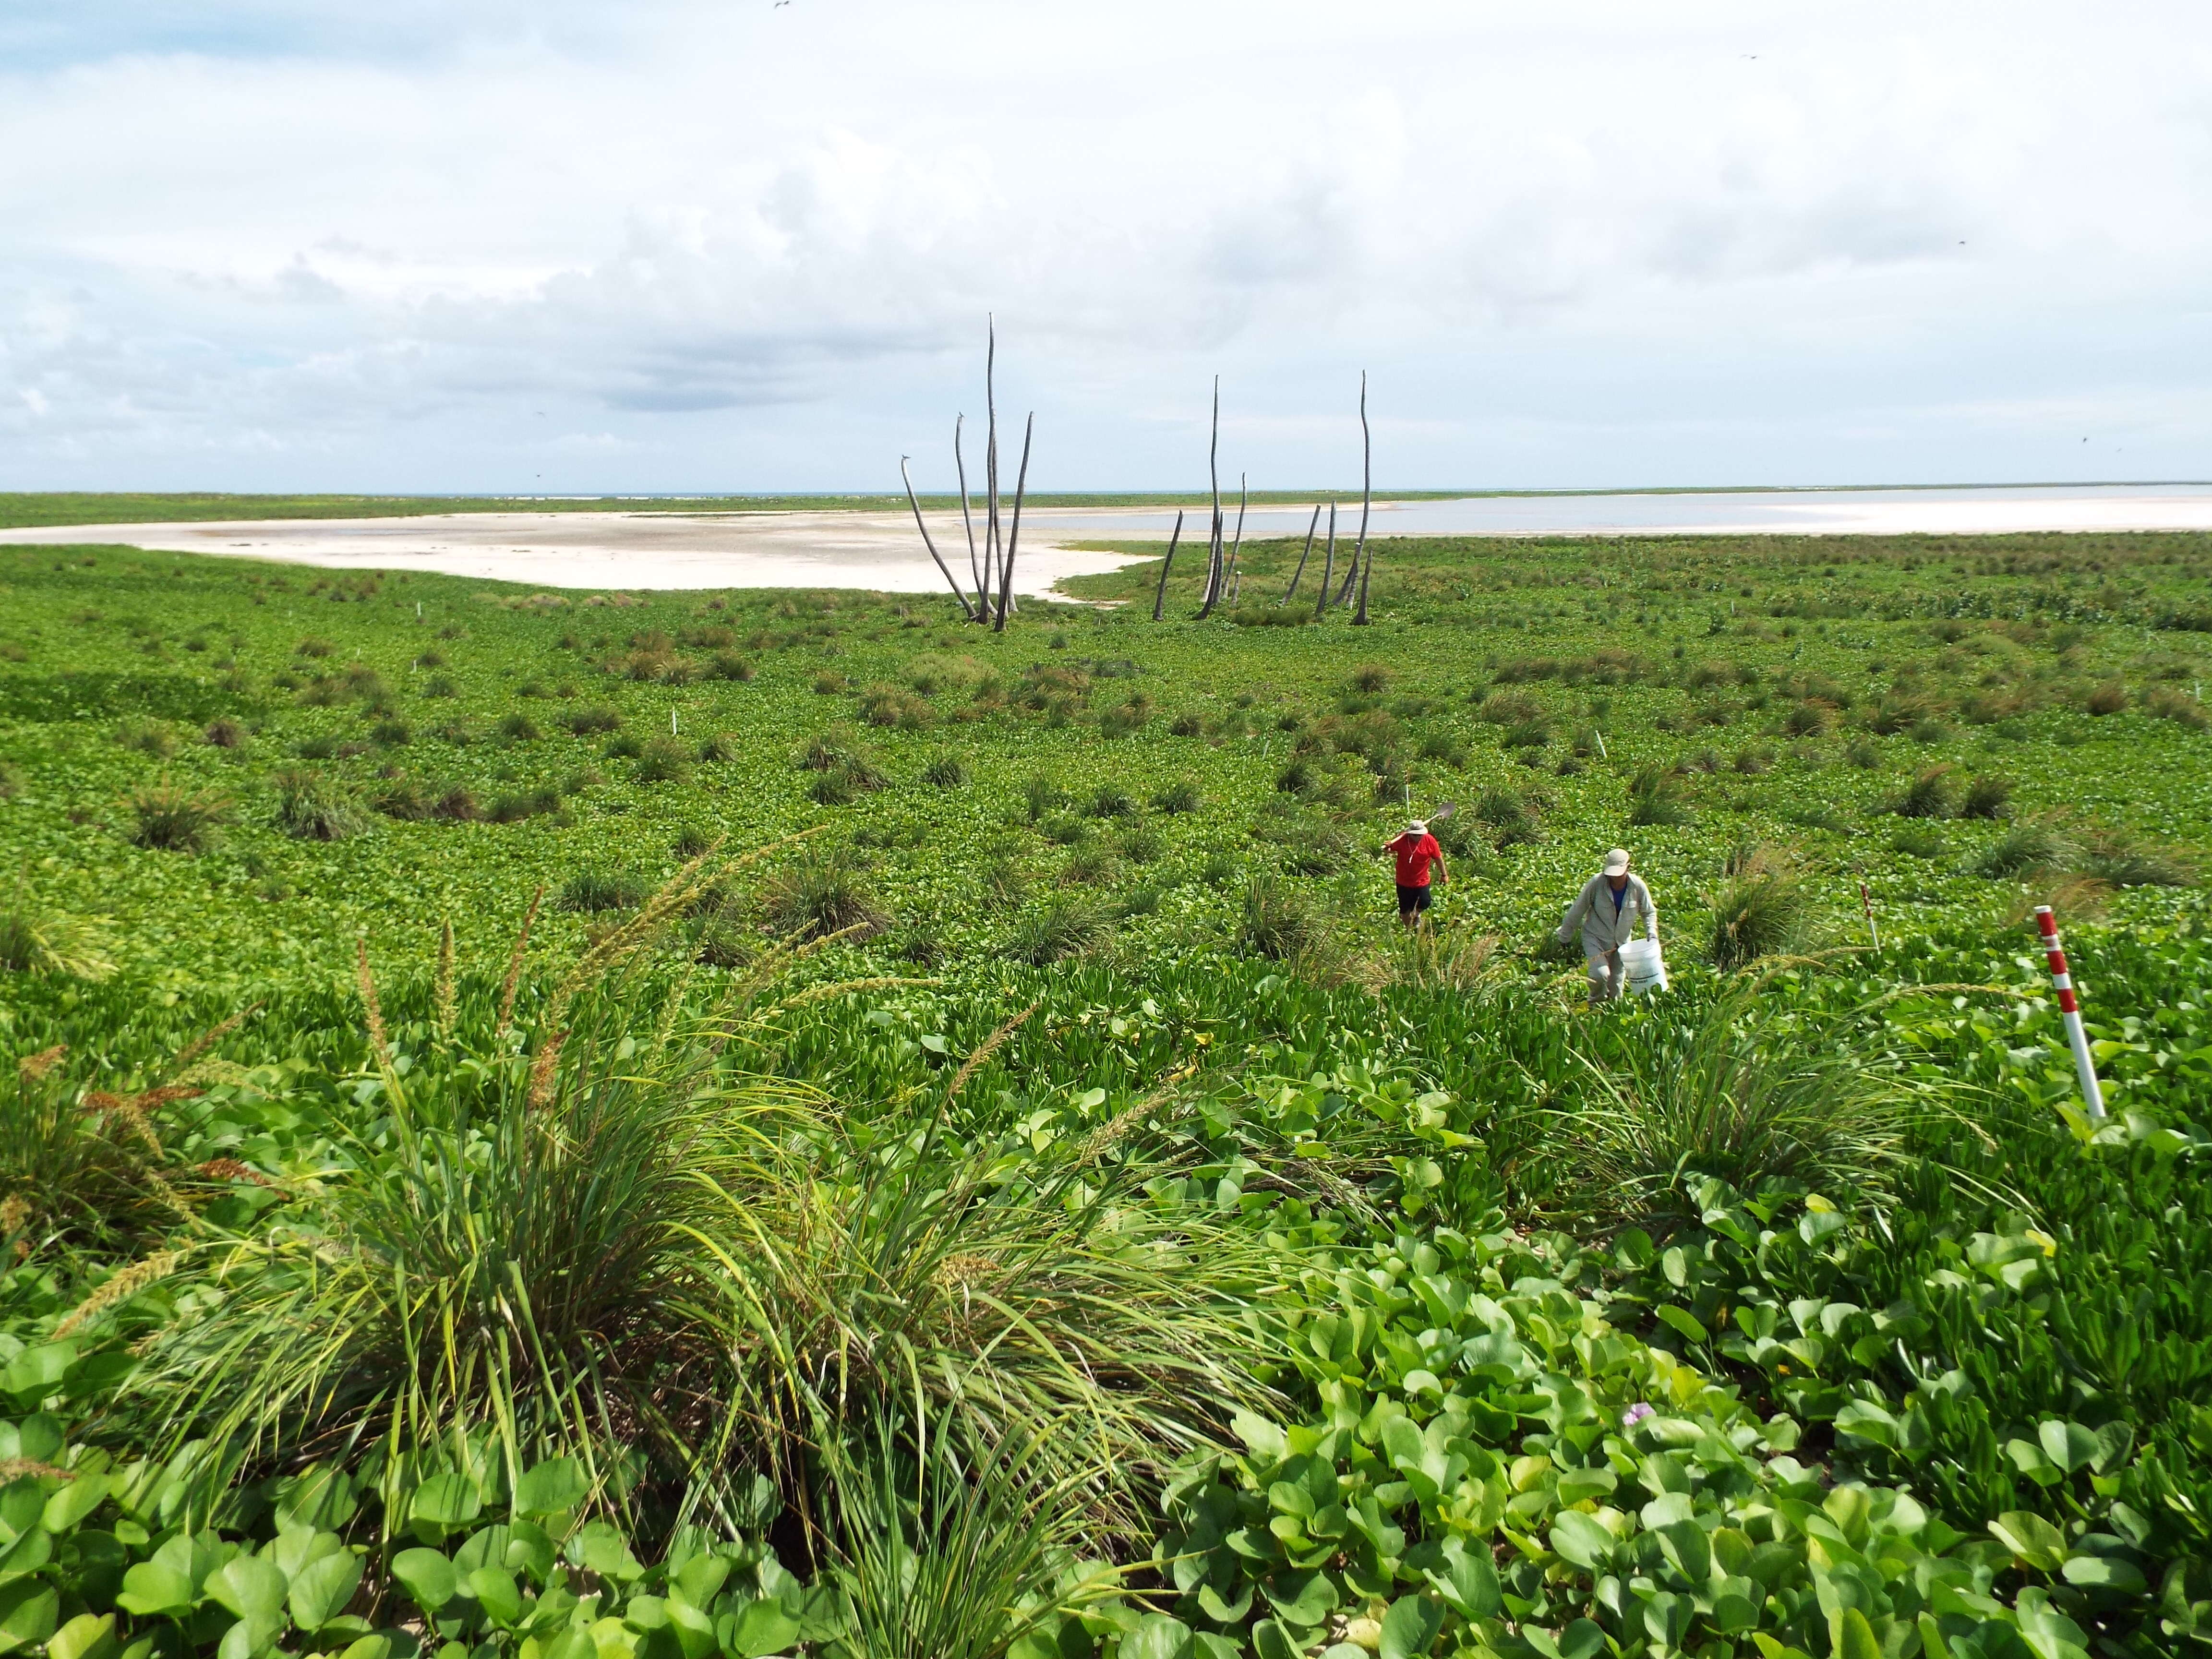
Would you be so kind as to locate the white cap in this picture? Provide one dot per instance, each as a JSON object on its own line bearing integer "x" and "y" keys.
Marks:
{"x": 1616, "y": 861}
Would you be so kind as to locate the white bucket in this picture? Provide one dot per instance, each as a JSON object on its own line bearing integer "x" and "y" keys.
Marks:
{"x": 1642, "y": 965}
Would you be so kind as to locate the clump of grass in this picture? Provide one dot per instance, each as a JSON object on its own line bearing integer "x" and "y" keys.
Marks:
{"x": 1092, "y": 865}
{"x": 514, "y": 807}
{"x": 1060, "y": 928}
{"x": 173, "y": 820}
{"x": 313, "y": 646}
{"x": 1444, "y": 959}
{"x": 1932, "y": 794}
{"x": 1064, "y": 830}
{"x": 1140, "y": 843}
{"x": 594, "y": 890}
{"x": 1923, "y": 840}
{"x": 1511, "y": 817}
{"x": 623, "y": 746}
{"x": 1863, "y": 753}
{"x": 1986, "y": 797}
{"x": 721, "y": 748}
{"x": 458, "y": 804}
{"x": 1740, "y": 1093}
{"x": 1277, "y": 919}
{"x": 1763, "y": 910}
{"x": 2126, "y": 860}
{"x": 35, "y": 940}
{"x": 1655, "y": 797}
{"x": 1042, "y": 797}
{"x": 663, "y": 760}
{"x": 822, "y": 891}
{"x": 1111, "y": 802}
{"x": 2171, "y": 705}
{"x": 2026, "y": 849}
{"x": 1371, "y": 677}
{"x": 2110, "y": 698}
{"x": 1141, "y": 900}
{"x": 311, "y": 807}
{"x": 147, "y": 738}
{"x": 1181, "y": 796}
{"x": 588, "y": 721}
{"x": 691, "y": 840}
{"x": 408, "y": 800}
{"x": 517, "y": 727}
{"x": 224, "y": 733}
{"x": 1217, "y": 869}
{"x": 945, "y": 772}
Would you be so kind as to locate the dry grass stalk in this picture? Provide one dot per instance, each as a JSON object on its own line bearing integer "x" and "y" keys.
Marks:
{"x": 543, "y": 1066}
{"x": 992, "y": 1044}
{"x": 130, "y": 1112}
{"x": 515, "y": 962}
{"x": 15, "y": 1469}
{"x": 229, "y": 1169}
{"x": 367, "y": 982}
{"x": 32, "y": 1068}
{"x": 119, "y": 1288}
{"x": 845, "y": 987}
{"x": 207, "y": 1039}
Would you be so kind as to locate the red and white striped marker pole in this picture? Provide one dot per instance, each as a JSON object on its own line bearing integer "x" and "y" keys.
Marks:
{"x": 2085, "y": 1063}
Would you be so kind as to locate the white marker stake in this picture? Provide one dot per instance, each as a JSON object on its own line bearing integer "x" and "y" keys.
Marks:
{"x": 1866, "y": 903}
{"x": 2085, "y": 1063}
{"x": 1599, "y": 736}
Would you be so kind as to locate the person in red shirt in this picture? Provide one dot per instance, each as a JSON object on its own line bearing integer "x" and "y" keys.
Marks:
{"x": 1415, "y": 851}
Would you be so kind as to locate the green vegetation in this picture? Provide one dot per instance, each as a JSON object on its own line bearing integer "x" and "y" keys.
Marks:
{"x": 619, "y": 1127}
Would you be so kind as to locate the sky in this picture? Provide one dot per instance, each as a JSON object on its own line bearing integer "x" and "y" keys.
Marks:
{"x": 542, "y": 246}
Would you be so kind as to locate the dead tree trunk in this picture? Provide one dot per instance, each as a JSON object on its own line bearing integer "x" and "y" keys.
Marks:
{"x": 1160, "y": 594}
{"x": 990, "y": 467}
{"x": 1013, "y": 540}
{"x": 1328, "y": 566}
{"x": 1214, "y": 538}
{"x": 1236, "y": 572}
{"x": 937, "y": 558}
{"x": 1304, "y": 553}
{"x": 968, "y": 519}
{"x": 1366, "y": 500}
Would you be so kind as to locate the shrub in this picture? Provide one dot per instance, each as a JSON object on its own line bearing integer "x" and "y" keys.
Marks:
{"x": 2110, "y": 698}
{"x": 822, "y": 891}
{"x": 728, "y": 666}
{"x": 1763, "y": 911}
{"x": 663, "y": 760}
{"x": 2025, "y": 850}
{"x": 1654, "y": 798}
{"x": 407, "y": 799}
{"x": 176, "y": 820}
{"x": 1863, "y": 754}
{"x": 2169, "y": 704}
{"x": 623, "y": 746}
{"x": 1062, "y": 928}
{"x": 721, "y": 748}
{"x": 584, "y": 722}
{"x": 1111, "y": 802}
{"x": 1140, "y": 843}
{"x": 440, "y": 685}
{"x": 310, "y": 807}
{"x": 1986, "y": 797}
{"x": 945, "y": 772}
{"x": 1929, "y": 795}
{"x": 312, "y": 646}
{"x": 1181, "y": 796}
{"x": 592, "y": 890}
{"x": 517, "y": 727}
{"x": 224, "y": 733}
{"x": 1042, "y": 796}
{"x": 392, "y": 733}
{"x": 1369, "y": 677}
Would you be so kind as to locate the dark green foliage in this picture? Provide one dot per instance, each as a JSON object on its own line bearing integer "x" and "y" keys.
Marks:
{"x": 1655, "y": 797}
{"x": 175, "y": 819}
{"x": 1932, "y": 794}
{"x": 663, "y": 760}
{"x": 945, "y": 772}
{"x": 1063, "y": 928}
{"x": 312, "y": 808}
{"x": 822, "y": 891}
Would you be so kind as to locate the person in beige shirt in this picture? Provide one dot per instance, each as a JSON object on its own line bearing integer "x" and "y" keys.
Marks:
{"x": 1608, "y": 910}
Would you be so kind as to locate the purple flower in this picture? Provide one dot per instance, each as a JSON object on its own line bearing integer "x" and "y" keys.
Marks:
{"x": 1636, "y": 1414}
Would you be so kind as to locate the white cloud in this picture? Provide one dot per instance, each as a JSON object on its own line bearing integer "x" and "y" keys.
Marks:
{"x": 747, "y": 247}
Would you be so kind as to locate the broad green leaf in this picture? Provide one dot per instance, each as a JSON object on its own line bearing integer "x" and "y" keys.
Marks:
{"x": 694, "y": 1630}
{"x": 84, "y": 1637}
{"x": 1468, "y": 1582}
{"x": 430, "y": 1577}
{"x": 1688, "y": 1551}
{"x": 2104, "y": 1573}
{"x": 1579, "y": 1539}
{"x": 28, "y": 1610}
{"x": 321, "y": 1587}
{"x": 67, "y": 1508}
{"x": 1411, "y": 1627}
{"x": 250, "y": 1586}
{"x": 763, "y": 1627}
{"x": 1303, "y": 1598}
{"x": 551, "y": 1487}
{"x": 445, "y": 1503}
{"x": 601, "y": 1548}
{"x": 27, "y": 1553}
{"x": 1855, "y": 1637}
{"x": 1681, "y": 1321}
{"x": 375, "y": 1646}
{"x": 1158, "y": 1637}
{"x": 494, "y": 1590}
{"x": 700, "y": 1579}
{"x": 155, "y": 1589}
{"x": 1271, "y": 1641}
{"x": 2031, "y": 1538}
{"x": 2069, "y": 1445}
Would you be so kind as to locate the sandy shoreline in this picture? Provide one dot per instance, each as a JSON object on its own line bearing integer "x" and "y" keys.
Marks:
{"x": 880, "y": 551}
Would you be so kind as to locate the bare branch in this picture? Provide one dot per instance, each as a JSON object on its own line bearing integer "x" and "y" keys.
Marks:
{"x": 948, "y": 582}
{"x": 1021, "y": 488}
{"x": 1291, "y": 591}
{"x": 1160, "y": 595}
{"x": 1366, "y": 500}
{"x": 1327, "y": 564}
{"x": 968, "y": 518}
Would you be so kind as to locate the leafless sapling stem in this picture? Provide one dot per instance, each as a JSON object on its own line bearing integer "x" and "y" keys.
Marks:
{"x": 1160, "y": 594}
{"x": 1366, "y": 500}
{"x": 1213, "y": 537}
{"x": 1328, "y": 565}
{"x": 967, "y": 518}
{"x": 991, "y": 465}
{"x": 1013, "y": 539}
{"x": 1236, "y": 574}
{"x": 1304, "y": 553}
{"x": 934, "y": 554}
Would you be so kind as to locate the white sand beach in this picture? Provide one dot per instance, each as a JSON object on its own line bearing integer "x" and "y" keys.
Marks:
{"x": 880, "y": 551}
